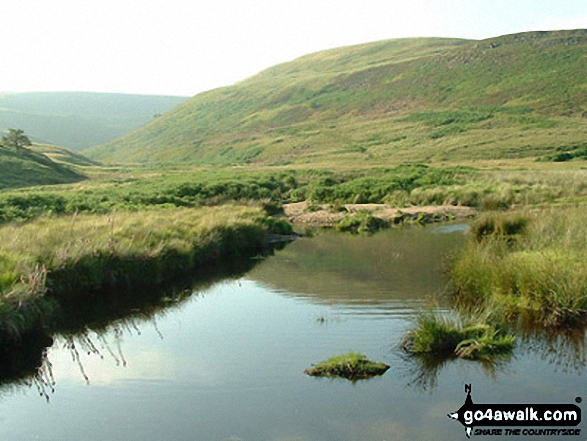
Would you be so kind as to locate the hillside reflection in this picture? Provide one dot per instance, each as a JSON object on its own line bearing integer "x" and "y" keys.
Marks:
{"x": 400, "y": 265}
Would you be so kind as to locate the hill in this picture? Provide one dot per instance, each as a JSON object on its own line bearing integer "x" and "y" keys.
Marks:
{"x": 30, "y": 167}
{"x": 79, "y": 120}
{"x": 63, "y": 156}
{"x": 429, "y": 100}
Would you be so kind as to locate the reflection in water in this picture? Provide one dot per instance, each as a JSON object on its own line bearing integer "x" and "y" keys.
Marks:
{"x": 231, "y": 363}
{"x": 26, "y": 364}
{"x": 388, "y": 270}
{"x": 87, "y": 326}
{"x": 424, "y": 369}
{"x": 566, "y": 348}
{"x": 84, "y": 342}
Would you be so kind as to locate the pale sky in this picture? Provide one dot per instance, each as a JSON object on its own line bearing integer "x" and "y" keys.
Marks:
{"x": 183, "y": 47}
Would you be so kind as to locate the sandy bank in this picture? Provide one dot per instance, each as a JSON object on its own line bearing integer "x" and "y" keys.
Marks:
{"x": 323, "y": 215}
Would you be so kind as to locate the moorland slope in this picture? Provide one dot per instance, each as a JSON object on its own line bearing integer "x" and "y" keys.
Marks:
{"x": 409, "y": 100}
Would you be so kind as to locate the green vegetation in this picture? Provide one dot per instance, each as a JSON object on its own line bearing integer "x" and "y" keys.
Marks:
{"x": 390, "y": 102}
{"x": 393, "y": 185}
{"x": 498, "y": 227}
{"x": 15, "y": 140}
{"x": 443, "y": 336}
{"x": 54, "y": 261}
{"x": 403, "y": 186}
{"x": 211, "y": 187}
{"x": 498, "y": 125}
{"x": 352, "y": 366}
{"x": 63, "y": 156}
{"x": 528, "y": 266}
{"x": 20, "y": 166}
{"x": 362, "y": 222}
{"x": 521, "y": 272}
{"x": 567, "y": 153}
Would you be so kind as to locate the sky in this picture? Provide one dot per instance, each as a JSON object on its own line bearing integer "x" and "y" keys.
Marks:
{"x": 184, "y": 47}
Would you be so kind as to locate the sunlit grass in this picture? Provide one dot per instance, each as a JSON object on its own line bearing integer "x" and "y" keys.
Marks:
{"x": 66, "y": 258}
{"x": 538, "y": 275}
{"x": 451, "y": 336}
{"x": 352, "y": 366}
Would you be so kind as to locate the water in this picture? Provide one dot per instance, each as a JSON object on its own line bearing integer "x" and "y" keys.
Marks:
{"x": 227, "y": 364}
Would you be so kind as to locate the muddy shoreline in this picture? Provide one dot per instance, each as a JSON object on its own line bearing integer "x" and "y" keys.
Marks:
{"x": 324, "y": 215}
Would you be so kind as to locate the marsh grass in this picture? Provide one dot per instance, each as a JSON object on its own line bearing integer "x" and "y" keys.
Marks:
{"x": 505, "y": 227}
{"x": 352, "y": 366}
{"x": 54, "y": 260}
{"x": 499, "y": 190}
{"x": 541, "y": 277}
{"x": 451, "y": 336}
{"x": 362, "y": 222}
{"x": 400, "y": 186}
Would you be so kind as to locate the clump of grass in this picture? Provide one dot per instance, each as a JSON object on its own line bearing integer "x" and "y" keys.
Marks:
{"x": 499, "y": 226}
{"x": 20, "y": 313}
{"x": 278, "y": 226}
{"x": 539, "y": 277}
{"x": 352, "y": 366}
{"x": 362, "y": 222}
{"x": 448, "y": 337}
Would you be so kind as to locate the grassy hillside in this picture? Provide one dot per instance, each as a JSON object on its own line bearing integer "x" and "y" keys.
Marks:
{"x": 426, "y": 100}
{"x": 80, "y": 119}
{"x": 30, "y": 167}
{"x": 63, "y": 155}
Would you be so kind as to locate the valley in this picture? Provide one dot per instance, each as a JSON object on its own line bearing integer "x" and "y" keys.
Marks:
{"x": 470, "y": 154}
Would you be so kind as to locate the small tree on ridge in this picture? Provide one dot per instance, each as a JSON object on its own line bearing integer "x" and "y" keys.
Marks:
{"x": 15, "y": 139}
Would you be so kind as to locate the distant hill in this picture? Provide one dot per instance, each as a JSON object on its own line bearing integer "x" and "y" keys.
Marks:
{"x": 30, "y": 167}
{"x": 79, "y": 120}
{"x": 428, "y": 100}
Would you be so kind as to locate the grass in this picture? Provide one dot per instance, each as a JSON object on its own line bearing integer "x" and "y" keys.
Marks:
{"x": 211, "y": 187}
{"x": 539, "y": 277}
{"x": 389, "y": 102}
{"x": 134, "y": 189}
{"x": 28, "y": 168}
{"x": 444, "y": 336}
{"x": 52, "y": 261}
{"x": 352, "y": 366}
{"x": 362, "y": 222}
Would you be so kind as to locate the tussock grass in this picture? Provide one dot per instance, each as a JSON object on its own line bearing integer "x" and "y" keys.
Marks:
{"x": 352, "y": 366}
{"x": 502, "y": 189}
{"x": 443, "y": 336}
{"x": 401, "y": 186}
{"x": 540, "y": 277}
{"x": 362, "y": 222}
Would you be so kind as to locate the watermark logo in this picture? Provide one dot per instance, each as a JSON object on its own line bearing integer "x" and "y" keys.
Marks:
{"x": 508, "y": 416}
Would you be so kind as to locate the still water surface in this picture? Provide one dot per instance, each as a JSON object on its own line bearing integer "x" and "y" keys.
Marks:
{"x": 227, "y": 364}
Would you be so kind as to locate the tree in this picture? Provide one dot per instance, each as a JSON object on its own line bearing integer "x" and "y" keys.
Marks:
{"x": 15, "y": 139}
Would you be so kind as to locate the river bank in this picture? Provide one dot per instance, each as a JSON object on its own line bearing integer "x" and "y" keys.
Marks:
{"x": 54, "y": 262}
{"x": 329, "y": 215}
